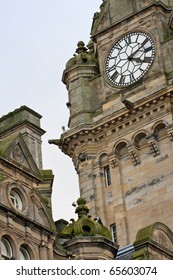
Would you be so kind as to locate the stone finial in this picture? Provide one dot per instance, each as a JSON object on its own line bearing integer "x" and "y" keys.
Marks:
{"x": 83, "y": 55}
{"x": 82, "y": 210}
{"x": 81, "y": 47}
{"x": 90, "y": 46}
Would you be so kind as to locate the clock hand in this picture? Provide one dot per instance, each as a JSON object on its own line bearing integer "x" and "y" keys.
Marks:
{"x": 141, "y": 45}
{"x": 139, "y": 60}
{"x": 132, "y": 55}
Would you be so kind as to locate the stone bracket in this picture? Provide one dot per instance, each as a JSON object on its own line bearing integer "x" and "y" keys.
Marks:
{"x": 134, "y": 155}
{"x": 153, "y": 148}
{"x": 170, "y": 131}
{"x": 113, "y": 160}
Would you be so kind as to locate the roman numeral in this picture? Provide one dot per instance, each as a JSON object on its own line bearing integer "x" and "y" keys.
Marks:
{"x": 147, "y": 60}
{"x": 137, "y": 38}
{"x": 114, "y": 76}
{"x": 144, "y": 42}
{"x": 118, "y": 47}
{"x": 128, "y": 39}
{"x": 111, "y": 57}
{"x": 113, "y": 67}
{"x": 132, "y": 78}
{"x": 142, "y": 71}
{"x": 148, "y": 49}
{"x": 122, "y": 79}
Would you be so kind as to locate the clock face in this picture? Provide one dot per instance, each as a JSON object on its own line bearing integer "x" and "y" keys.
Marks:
{"x": 130, "y": 59}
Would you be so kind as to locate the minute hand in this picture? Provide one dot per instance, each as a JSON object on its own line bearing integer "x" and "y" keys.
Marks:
{"x": 143, "y": 43}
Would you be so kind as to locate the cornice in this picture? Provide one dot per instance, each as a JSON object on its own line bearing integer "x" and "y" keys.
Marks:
{"x": 124, "y": 119}
{"x": 25, "y": 219}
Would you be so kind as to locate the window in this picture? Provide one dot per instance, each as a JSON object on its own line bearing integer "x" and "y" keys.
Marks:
{"x": 16, "y": 199}
{"x": 6, "y": 249}
{"x": 107, "y": 176}
{"x": 114, "y": 233}
{"x": 24, "y": 254}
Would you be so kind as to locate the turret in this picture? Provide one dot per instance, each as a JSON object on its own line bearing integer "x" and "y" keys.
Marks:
{"x": 78, "y": 72}
{"x": 87, "y": 238}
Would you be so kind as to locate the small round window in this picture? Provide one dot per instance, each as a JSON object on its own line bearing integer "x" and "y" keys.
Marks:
{"x": 16, "y": 199}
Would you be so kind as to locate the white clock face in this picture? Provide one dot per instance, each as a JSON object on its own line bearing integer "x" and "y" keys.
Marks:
{"x": 130, "y": 59}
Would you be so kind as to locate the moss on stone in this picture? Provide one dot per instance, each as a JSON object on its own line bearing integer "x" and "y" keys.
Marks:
{"x": 5, "y": 144}
{"x": 84, "y": 226}
{"x": 46, "y": 174}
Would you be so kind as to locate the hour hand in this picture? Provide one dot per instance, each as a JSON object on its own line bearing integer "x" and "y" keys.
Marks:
{"x": 139, "y": 60}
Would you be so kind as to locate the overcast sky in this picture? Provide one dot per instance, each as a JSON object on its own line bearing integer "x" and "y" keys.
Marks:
{"x": 38, "y": 37}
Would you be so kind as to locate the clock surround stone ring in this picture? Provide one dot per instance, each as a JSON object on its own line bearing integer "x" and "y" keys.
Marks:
{"x": 130, "y": 59}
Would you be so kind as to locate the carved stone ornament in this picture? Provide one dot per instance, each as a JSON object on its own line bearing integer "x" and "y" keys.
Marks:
{"x": 82, "y": 157}
{"x": 18, "y": 155}
{"x": 162, "y": 238}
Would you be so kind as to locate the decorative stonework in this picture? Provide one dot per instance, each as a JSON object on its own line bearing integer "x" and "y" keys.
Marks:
{"x": 84, "y": 226}
{"x": 162, "y": 238}
{"x": 99, "y": 131}
{"x": 18, "y": 155}
{"x": 170, "y": 131}
{"x": 86, "y": 238}
{"x": 154, "y": 242}
{"x": 134, "y": 155}
{"x": 153, "y": 148}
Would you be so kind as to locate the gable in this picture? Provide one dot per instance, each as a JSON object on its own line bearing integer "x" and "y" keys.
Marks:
{"x": 101, "y": 19}
{"x": 15, "y": 150}
{"x": 113, "y": 11}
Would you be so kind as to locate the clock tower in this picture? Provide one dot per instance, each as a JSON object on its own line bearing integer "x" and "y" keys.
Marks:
{"x": 120, "y": 96}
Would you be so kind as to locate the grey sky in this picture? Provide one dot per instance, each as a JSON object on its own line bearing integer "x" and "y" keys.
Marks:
{"x": 37, "y": 39}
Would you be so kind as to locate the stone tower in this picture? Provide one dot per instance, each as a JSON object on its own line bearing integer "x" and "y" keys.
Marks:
{"x": 120, "y": 135}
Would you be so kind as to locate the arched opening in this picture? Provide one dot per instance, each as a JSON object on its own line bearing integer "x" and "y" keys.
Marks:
{"x": 121, "y": 149}
{"x": 24, "y": 253}
{"x": 160, "y": 131}
{"x": 140, "y": 140}
{"x": 6, "y": 248}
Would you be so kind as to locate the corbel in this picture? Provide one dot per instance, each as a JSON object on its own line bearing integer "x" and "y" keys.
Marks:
{"x": 153, "y": 145}
{"x": 133, "y": 153}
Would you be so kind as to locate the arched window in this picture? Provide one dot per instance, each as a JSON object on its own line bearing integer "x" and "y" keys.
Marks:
{"x": 113, "y": 228}
{"x": 104, "y": 162}
{"x": 107, "y": 176}
{"x": 24, "y": 253}
{"x": 6, "y": 249}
